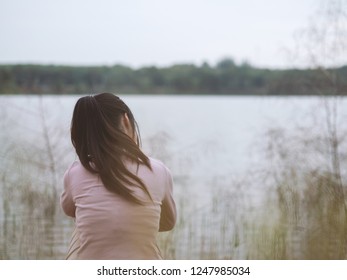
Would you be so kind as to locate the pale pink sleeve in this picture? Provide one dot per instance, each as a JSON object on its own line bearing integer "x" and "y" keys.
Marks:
{"x": 168, "y": 208}
{"x": 66, "y": 200}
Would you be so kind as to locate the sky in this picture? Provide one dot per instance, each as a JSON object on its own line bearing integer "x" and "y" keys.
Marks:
{"x": 141, "y": 33}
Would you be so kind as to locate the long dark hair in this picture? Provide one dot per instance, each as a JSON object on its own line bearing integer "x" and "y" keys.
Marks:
{"x": 102, "y": 146}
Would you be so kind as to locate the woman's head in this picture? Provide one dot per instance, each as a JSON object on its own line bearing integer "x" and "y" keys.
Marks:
{"x": 104, "y": 134}
{"x": 99, "y": 119}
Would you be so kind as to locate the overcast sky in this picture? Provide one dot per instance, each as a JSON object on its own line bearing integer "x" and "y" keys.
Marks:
{"x": 151, "y": 32}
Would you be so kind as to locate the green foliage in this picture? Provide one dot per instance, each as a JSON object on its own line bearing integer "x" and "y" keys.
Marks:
{"x": 226, "y": 77}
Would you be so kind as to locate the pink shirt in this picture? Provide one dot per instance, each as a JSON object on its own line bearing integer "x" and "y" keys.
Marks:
{"x": 111, "y": 227}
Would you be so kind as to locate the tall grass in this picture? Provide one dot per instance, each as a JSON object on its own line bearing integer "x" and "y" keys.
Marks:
{"x": 307, "y": 214}
{"x": 302, "y": 213}
{"x": 31, "y": 222}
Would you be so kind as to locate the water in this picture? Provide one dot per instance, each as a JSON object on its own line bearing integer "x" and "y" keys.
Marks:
{"x": 211, "y": 144}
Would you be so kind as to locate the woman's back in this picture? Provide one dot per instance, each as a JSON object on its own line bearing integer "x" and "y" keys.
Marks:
{"x": 112, "y": 227}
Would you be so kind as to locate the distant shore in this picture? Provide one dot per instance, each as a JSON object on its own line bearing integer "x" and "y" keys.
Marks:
{"x": 225, "y": 78}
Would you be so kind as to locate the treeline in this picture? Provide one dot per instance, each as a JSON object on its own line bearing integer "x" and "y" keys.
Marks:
{"x": 226, "y": 77}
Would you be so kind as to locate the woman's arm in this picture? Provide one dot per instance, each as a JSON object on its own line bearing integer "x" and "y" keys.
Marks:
{"x": 66, "y": 200}
{"x": 168, "y": 208}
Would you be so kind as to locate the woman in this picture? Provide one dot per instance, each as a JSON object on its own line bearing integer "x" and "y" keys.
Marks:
{"x": 119, "y": 197}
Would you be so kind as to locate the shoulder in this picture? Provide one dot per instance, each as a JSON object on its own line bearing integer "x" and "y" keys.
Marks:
{"x": 159, "y": 167}
{"x": 75, "y": 169}
{"x": 76, "y": 165}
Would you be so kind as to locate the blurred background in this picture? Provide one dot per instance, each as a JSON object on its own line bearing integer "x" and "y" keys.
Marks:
{"x": 245, "y": 101}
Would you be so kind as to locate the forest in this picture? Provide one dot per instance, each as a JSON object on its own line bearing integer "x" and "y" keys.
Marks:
{"x": 224, "y": 78}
